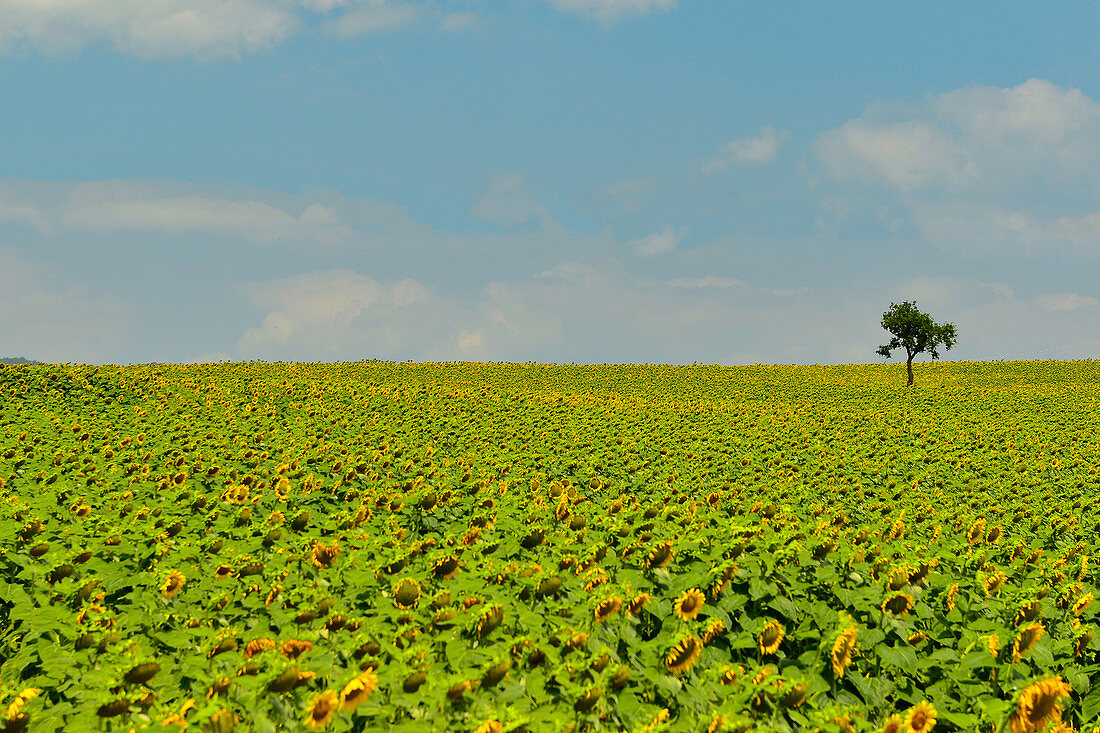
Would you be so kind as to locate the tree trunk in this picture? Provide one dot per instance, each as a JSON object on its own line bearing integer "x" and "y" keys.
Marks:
{"x": 909, "y": 367}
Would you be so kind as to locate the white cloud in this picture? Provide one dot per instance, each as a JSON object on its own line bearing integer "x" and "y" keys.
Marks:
{"x": 981, "y": 168}
{"x": 1065, "y": 302}
{"x": 905, "y": 155}
{"x": 709, "y": 281}
{"x": 92, "y": 208}
{"x": 507, "y": 200}
{"x": 666, "y": 240}
{"x": 748, "y": 150}
{"x": 335, "y": 314}
{"x": 609, "y": 11}
{"x": 971, "y": 139}
{"x": 456, "y": 22}
{"x": 164, "y": 29}
{"x": 46, "y": 320}
{"x": 174, "y": 207}
{"x": 23, "y": 214}
{"x": 627, "y": 196}
{"x": 374, "y": 16}
{"x": 989, "y": 228}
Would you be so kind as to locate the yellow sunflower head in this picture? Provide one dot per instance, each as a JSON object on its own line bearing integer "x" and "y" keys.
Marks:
{"x": 1038, "y": 704}
{"x": 607, "y": 608}
{"x": 684, "y": 655}
{"x": 898, "y": 604}
{"x": 921, "y": 718}
{"x": 321, "y": 710}
{"x": 1028, "y": 637}
{"x": 893, "y": 724}
{"x": 173, "y": 584}
{"x": 358, "y": 690}
{"x": 771, "y": 637}
{"x": 688, "y": 605}
{"x": 843, "y": 649}
{"x": 660, "y": 556}
{"x": 637, "y": 604}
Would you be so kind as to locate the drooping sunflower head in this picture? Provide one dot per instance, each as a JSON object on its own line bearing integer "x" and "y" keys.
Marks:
{"x": 637, "y": 604}
{"x": 684, "y": 655}
{"x": 358, "y": 690}
{"x": 993, "y": 583}
{"x": 714, "y": 628}
{"x": 294, "y": 648}
{"x": 771, "y": 637}
{"x": 489, "y": 620}
{"x": 688, "y": 605}
{"x": 843, "y": 649}
{"x": 324, "y": 555}
{"x": 607, "y": 608}
{"x": 660, "y": 556}
{"x": 445, "y": 567}
{"x": 898, "y": 604}
{"x": 1038, "y": 704}
{"x": 952, "y": 594}
{"x": 406, "y": 594}
{"x": 1028, "y": 637}
{"x": 173, "y": 584}
{"x": 257, "y": 646}
{"x": 1081, "y": 604}
{"x": 921, "y": 718}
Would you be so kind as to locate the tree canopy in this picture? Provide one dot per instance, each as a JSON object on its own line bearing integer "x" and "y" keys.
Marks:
{"x": 915, "y": 332}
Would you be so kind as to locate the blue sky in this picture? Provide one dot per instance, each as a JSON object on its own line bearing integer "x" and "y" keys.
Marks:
{"x": 551, "y": 180}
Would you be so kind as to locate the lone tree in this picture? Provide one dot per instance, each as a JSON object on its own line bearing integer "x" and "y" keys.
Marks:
{"x": 916, "y": 332}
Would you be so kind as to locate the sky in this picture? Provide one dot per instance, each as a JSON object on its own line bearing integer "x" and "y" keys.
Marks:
{"x": 593, "y": 181}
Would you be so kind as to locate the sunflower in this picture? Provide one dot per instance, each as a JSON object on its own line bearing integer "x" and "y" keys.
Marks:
{"x": 1028, "y": 612}
{"x": 406, "y": 594}
{"x": 843, "y": 649}
{"x": 223, "y": 572}
{"x": 1081, "y": 604}
{"x": 684, "y": 655}
{"x": 1027, "y": 638}
{"x": 660, "y": 556}
{"x": 357, "y": 691}
{"x": 898, "y": 604}
{"x": 714, "y": 628}
{"x": 771, "y": 637}
{"x": 325, "y": 555}
{"x": 993, "y": 583}
{"x": 893, "y": 724}
{"x": 921, "y": 718}
{"x": 637, "y": 604}
{"x": 173, "y": 584}
{"x": 993, "y": 644}
{"x": 952, "y": 593}
{"x": 489, "y": 620}
{"x": 321, "y": 710}
{"x": 294, "y": 648}
{"x": 1081, "y": 643}
{"x": 688, "y": 605}
{"x": 445, "y": 567}
{"x": 607, "y": 608}
{"x": 730, "y": 675}
{"x": 1038, "y": 704}
{"x": 490, "y": 726}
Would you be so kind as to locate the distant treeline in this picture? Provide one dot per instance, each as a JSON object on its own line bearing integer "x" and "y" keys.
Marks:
{"x": 17, "y": 360}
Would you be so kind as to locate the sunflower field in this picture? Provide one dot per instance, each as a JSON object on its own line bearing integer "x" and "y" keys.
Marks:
{"x": 507, "y": 547}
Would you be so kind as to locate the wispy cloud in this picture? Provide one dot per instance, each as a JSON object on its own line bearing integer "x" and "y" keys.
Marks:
{"x": 756, "y": 150}
{"x": 665, "y": 240}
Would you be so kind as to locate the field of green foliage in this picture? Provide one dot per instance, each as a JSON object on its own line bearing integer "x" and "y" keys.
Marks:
{"x": 505, "y": 547}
